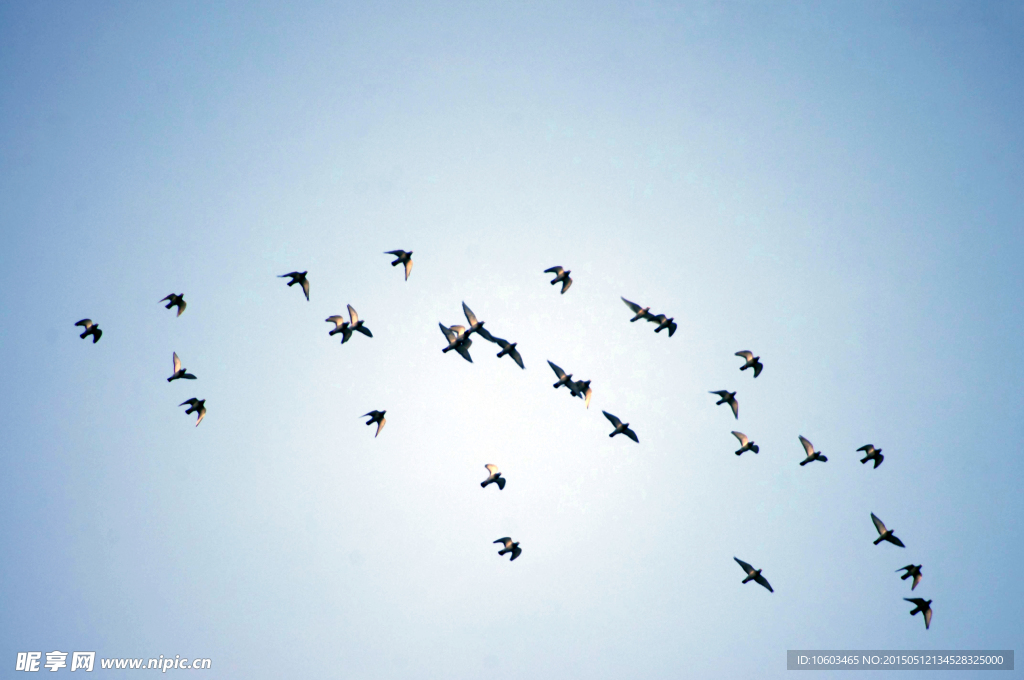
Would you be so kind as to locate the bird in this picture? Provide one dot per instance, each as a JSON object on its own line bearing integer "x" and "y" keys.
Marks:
{"x": 299, "y": 278}
{"x": 510, "y": 547}
{"x": 195, "y": 405}
{"x": 745, "y": 443}
{"x": 179, "y": 372}
{"x": 924, "y": 606}
{"x": 638, "y": 311}
{"x": 751, "y": 362}
{"x": 663, "y": 323}
{"x": 402, "y": 256}
{"x": 494, "y": 478}
{"x": 340, "y": 326}
{"x": 474, "y": 325}
{"x": 620, "y": 427}
{"x": 811, "y": 453}
{"x": 376, "y": 417}
{"x": 583, "y": 391}
{"x": 730, "y": 399}
{"x": 560, "y": 275}
{"x": 175, "y": 300}
{"x": 509, "y": 348}
{"x": 457, "y": 341}
{"x": 912, "y": 570}
{"x": 563, "y": 379}
{"x": 356, "y": 324}
{"x": 753, "y": 574}
{"x": 885, "y": 534}
{"x": 90, "y": 329}
{"x": 870, "y": 452}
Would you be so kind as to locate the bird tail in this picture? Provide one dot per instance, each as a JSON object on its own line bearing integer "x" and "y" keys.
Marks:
{"x": 804, "y": 462}
{"x": 740, "y": 452}
{"x": 483, "y": 484}
{"x": 878, "y": 540}
{"x": 864, "y": 460}
{"x": 823, "y": 459}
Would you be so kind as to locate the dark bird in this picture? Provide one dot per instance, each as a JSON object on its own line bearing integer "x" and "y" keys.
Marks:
{"x": 179, "y": 372}
{"x": 914, "y": 571}
{"x": 563, "y": 379}
{"x": 175, "y": 300}
{"x": 885, "y": 534}
{"x": 753, "y": 574}
{"x": 620, "y": 427}
{"x": 195, "y": 405}
{"x": 457, "y": 341}
{"x": 663, "y": 323}
{"x": 340, "y": 326}
{"x": 509, "y": 348}
{"x": 494, "y": 478}
{"x": 356, "y": 324}
{"x": 924, "y": 606}
{"x": 510, "y": 547}
{"x": 402, "y": 256}
{"x": 90, "y": 329}
{"x": 751, "y": 362}
{"x": 583, "y": 391}
{"x": 730, "y": 399}
{"x": 474, "y": 325}
{"x": 638, "y": 311}
{"x": 745, "y": 443}
{"x": 811, "y": 453}
{"x": 560, "y": 275}
{"x": 870, "y": 452}
{"x": 375, "y": 417}
{"x": 299, "y": 278}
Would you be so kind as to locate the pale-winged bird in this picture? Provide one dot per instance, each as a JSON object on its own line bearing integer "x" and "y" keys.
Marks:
{"x": 375, "y": 417}
{"x": 560, "y": 275}
{"x": 812, "y": 455}
{"x": 90, "y": 329}
{"x": 912, "y": 571}
{"x": 871, "y": 453}
{"x": 620, "y": 427}
{"x": 563, "y": 379}
{"x": 510, "y": 547}
{"x": 173, "y": 300}
{"x": 179, "y": 372}
{"x": 924, "y": 606}
{"x": 638, "y": 311}
{"x": 751, "y": 362}
{"x": 730, "y": 399}
{"x": 195, "y": 406}
{"x": 885, "y": 534}
{"x": 356, "y": 324}
{"x": 299, "y": 278}
{"x": 340, "y": 326}
{"x": 509, "y": 348}
{"x": 583, "y": 391}
{"x": 753, "y": 574}
{"x": 457, "y": 341}
{"x": 745, "y": 443}
{"x": 494, "y": 478}
{"x": 475, "y": 326}
{"x": 402, "y": 257}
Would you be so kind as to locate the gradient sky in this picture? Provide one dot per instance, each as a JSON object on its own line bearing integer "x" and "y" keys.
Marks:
{"x": 835, "y": 186}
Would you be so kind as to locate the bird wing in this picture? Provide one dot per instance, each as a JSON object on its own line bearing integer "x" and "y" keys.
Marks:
{"x": 181, "y": 306}
{"x": 758, "y": 367}
{"x": 364, "y": 330}
{"x": 493, "y": 469}
{"x": 746, "y": 354}
{"x": 202, "y": 414}
{"x": 895, "y": 541}
{"x": 517, "y": 357}
{"x": 808, "y": 447}
{"x": 565, "y": 284}
{"x": 305, "y": 287}
{"x": 615, "y": 421}
{"x": 917, "y": 579}
{"x": 655, "y": 318}
{"x": 177, "y": 362}
{"x": 928, "y": 618}
{"x": 371, "y": 413}
{"x": 735, "y": 408}
{"x": 632, "y": 305}
{"x": 396, "y": 253}
{"x": 868, "y": 448}
{"x": 500, "y": 342}
{"x": 408, "y": 268}
{"x": 167, "y": 298}
{"x": 878, "y": 460}
{"x": 485, "y": 334}
{"x": 742, "y": 437}
{"x": 672, "y": 330}
{"x": 336, "y": 320}
{"x": 587, "y": 395}
{"x": 878, "y": 524}
{"x": 463, "y": 350}
{"x": 380, "y": 425}
{"x": 763, "y": 581}
{"x": 722, "y": 393}
{"x": 459, "y": 330}
{"x": 632, "y": 435}
{"x": 451, "y": 335}
{"x": 352, "y": 315}
{"x": 470, "y": 316}
{"x": 87, "y": 323}
{"x": 558, "y": 371}
{"x": 346, "y": 333}
{"x": 554, "y": 270}
{"x": 191, "y": 402}
{"x": 743, "y": 565}
{"x": 506, "y": 541}
{"x": 516, "y": 552}
{"x": 920, "y": 602}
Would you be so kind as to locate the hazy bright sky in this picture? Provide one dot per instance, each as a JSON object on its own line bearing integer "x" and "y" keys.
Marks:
{"x": 835, "y": 186}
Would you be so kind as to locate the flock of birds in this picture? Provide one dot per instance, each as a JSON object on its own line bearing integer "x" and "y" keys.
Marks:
{"x": 458, "y": 338}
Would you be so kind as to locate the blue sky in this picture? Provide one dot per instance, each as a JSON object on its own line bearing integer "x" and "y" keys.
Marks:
{"x": 833, "y": 186}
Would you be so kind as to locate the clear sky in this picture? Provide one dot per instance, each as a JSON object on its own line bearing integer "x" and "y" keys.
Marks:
{"x": 835, "y": 186}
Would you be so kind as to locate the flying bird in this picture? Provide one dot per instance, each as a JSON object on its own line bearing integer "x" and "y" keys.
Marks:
{"x": 179, "y": 372}
{"x": 912, "y": 570}
{"x": 510, "y": 547}
{"x": 375, "y": 417}
{"x": 583, "y": 391}
{"x": 753, "y": 574}
{"x": 90, "y": 329}
{"x": 924, "y": 606}
{"x": 195, "y": 405}
{"x": 811, "y": 453}
{"x": 638, "y": 311}
{"x": 457, "y": 341}
{"x": 299, "y": 278}
{"x": 356, "y": 323}
{"x": 563, "y": 379}
{"x": 494, "y": 478}
{"x": 730, "y": 399}
{"x": 474, "y": 325}
{"x": 751, "y": 362}
{"x": 175, "y": 300}
{"x": 745, "y": 443}
{"x": 509, "y": 348}
{"x": 663, "y": 323}
{"x": 870, "y": 452}
{"x": 885, "y": 534}
{"x": 620, "y": 427}
{"x": 340, "y": 326}
{"x": 402, "y": 256}
{"x": 560, "y": 275}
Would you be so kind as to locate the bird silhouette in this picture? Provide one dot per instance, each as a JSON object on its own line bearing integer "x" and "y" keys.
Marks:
{"x": 912, "y": 571}
{"x": 924, "y": 606}
{"x": 494, "y": 478}
{"x": 340, "y": 326}
{"x": 751, "y": 362}
{"x": 510, "y": 547}
{"x": 620, "y": 427}
{"x": 195, "y": 406}
{"x": 870, "y": 452}
{"x": 745, "y": 443}
{"x": 583, "y": 391}
{"x": 885, "y": 534}
{"x": 563, "y": 379}
{"x": 90, "y": 329}
{"x": 356, "y": 324}
{"x": 638, "y": 311}
{"x": 560, "y": 275}
{"x": 509, "y": 348}
{"x": 179, "y": 372}
{"x": 402, "y": 256}
{"x": 812, "y": 455}
{"x": 175, "y": 300}
{"x": 299, "y": 278}
{"x": 663, "y": 323}
{"x": 375, "y": 417}
{"x": 730, "y": 399}
{"x": 475, "y": 326}
{"x": 457, "y": 341}
{"x": 753, "y": 574}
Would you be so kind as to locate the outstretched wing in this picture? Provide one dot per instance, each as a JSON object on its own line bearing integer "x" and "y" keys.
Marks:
{"x": 615, "y": 421}
{"x": 565, "y": 284}
{"x": 558, "y": 371}
{"x": 506, "y": 541}
{"x": 463, "y": 349}
{"x": 587, "y": 394}
{"x": 167, "y": 298}
{"x": 632, "y": 435}
{"x": 336, "y": 320}
{"x": 632, "y": 305}
{"x": 746, "y": 354}
{"x": 305, "y": 288}
{"x": 177, "y": 362}
{"x": 763, "y": 581}
{"x": 878, "y": 460}
{"x": 448, "y": 333}
{"x": 380, "y": 425}
{"x": 758, "y": 367}
{"x": 202, "y": 414}
{"x": 927, "y": 618}
{"x": 87, "y": 323}
{"x": 491, "y": 468}
{"x": 517, "y": 357}
{"x": 408, "y": 268}
{"x": 554, "y": 270}
{"x": 808, "y": 447}
{"x": 470, "y": 316}
{"x": 743, "y": 565}
{"x": 352, "y": 315}
{"x": 878, "y": 524}
{"x": 742, "y": 437}
{"x": 735, "y": 408}
{"x": 868, "y": 448}
{"x": 517, "y": 551}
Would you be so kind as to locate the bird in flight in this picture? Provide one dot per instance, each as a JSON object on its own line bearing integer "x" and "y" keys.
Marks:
{"x": 620, "y": 427}
{"x": 457, "y": 341}
{"x": 753, "y": 574}
{"x": 509, "y": 348}
{"x": 340, "y": 326}
{"x": 811, "y": 453}
{"x": 870, "y": 452}
{"x": 583, "y": 391}
{"x": 663, "y": 323}
{"x": 745, "y": 443}
{"x": 375, "y": 417}
{"x": 299, "y": 278}
{"x": 356, "y": 324}
{"x": 912, "y": 570}
{"x": 195, "y": 405}
{"x": 885, "y": 534}
{"x": 90, "y": 329}
{"x": 924, "y": 606}
{"x": 751, "y": 362}
{"x": 638, "y": 311}
{"x": 402, "y": 256}
{"x": 474, "y": 325}
{"x": 560, "y": 275}
{"x": 173, "y": 300}
{"x": 563, "y": 379}
{"x": 510, "y": 547}
{"x": 730, "y": 399}
{"x": 179, "y": 372}
{"x": 494, "y": 478}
